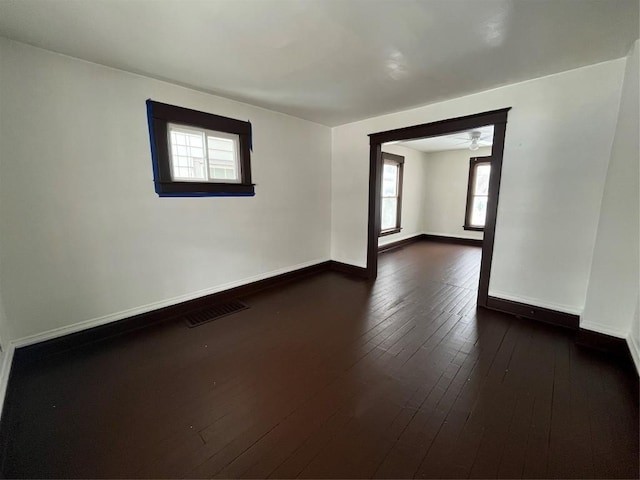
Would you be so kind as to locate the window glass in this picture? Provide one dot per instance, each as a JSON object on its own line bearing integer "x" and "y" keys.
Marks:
{"x": 479, "y": 211}
{"x": 389, "y": 212}
{"x": 390, "y": 180}
{"x": 190, "y": 163}
{"x": 478, "y": 192}
{"x": 187, "y": 155}
{"x": 391, "y": 191}
{"x": 483, "y": 171}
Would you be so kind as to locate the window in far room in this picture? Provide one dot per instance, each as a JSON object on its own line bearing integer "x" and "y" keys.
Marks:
{"x": 477, "y": 193}
{"x": 391, "y": 204}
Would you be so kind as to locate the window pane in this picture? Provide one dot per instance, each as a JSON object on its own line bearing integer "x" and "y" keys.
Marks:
{"x": 222, "y": 158}
{"x": 390, "y": 180}
{"x": 483, "y": 171}
{"x": 187, "y": 155}
{"x": 479, "y": 211}
{"x": 389, "y": 211}
{"x": 194, "y": 151}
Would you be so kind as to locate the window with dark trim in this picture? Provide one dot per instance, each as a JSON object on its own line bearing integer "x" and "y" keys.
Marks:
{"x": 477, "y": 193}
{"x": 391, "y": 205}
{"x": 198, "y": 154}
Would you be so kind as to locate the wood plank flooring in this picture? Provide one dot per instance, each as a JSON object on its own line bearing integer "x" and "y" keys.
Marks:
{"x": 333, "y": 377}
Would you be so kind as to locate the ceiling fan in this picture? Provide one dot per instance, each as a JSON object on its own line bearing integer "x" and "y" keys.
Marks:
{"x": 474, "y": 138}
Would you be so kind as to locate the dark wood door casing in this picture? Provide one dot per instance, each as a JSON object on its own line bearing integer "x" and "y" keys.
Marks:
{"x": 497, "y": 118}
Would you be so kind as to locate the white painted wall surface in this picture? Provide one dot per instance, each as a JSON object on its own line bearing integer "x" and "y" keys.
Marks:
{"x": 412, "y": 193}
{"x": 558, "y": 143}
{"x": 84, "y": 237}
{"x": 613, "y": 286}
{"x": 445, "y": 203}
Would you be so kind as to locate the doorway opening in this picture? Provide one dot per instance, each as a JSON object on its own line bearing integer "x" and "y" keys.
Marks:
{"x": 481, "y": 204}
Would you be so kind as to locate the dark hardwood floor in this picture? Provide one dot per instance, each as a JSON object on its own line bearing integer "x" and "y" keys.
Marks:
{"x": 334, "y": 377}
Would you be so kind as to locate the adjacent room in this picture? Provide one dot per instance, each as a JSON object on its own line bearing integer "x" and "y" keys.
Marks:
{"x": 319, "y": 239}
{"x": 435, "y": 191}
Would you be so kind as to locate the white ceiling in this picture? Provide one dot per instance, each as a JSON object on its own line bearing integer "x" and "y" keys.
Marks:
{"x": 331, "y": 61}
{"x": 455, "y": 141}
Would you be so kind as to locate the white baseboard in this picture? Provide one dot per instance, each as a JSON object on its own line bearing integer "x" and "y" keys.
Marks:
{"x": 635, "y": 352}
{"x": 535, "y": 302}
{"x": 113, "y": 317}
{"x": 5, "y": 370}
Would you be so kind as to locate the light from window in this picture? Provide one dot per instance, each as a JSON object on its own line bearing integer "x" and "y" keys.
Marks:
{"x": 478, "y": 193}
{"x": 199, "y": 155}
{"x": 391, "y": 193}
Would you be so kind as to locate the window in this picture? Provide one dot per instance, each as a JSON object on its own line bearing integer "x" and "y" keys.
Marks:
{"x": 391, "y": 205}
{"x": 198, "y": 154}
{"x": 477, "y": 193}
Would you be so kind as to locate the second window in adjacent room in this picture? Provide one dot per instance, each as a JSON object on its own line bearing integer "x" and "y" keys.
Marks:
{"x": 477, "y": 193}
{"x": 391, "y": 205}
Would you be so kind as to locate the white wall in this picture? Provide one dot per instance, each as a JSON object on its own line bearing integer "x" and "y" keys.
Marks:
{"x": 446, "y": 181}
{"x": 6, "y": 349}
{"x": 613, "y": 286}
{"x": 84, "y": 237}
{"x": 558, "y": 143}
{"x": 412, "y": 193}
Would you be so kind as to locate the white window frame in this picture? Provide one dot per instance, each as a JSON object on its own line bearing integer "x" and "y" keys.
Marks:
{"x": 175, "y": 127}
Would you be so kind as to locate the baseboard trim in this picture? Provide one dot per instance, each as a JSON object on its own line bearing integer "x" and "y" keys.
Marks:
{"x": 541, "y": 314}
{"x": 537, "y": 303}
{"x": 5, "y": 373}
{"x": 400, "y": 243}
{"x": 430, "y": 238}
{"x": 634, "y": 351}
{"x": 455, "y": 240}
{"x": 348, "y": 269}
{"x": 614, "y": 346}
{"x": 6, "y": 403}
{"x": 38, "y": 346}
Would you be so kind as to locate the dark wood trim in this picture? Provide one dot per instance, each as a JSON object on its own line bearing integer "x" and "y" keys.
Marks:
{"x": 614, "y": 346}
{"x": 384, "y": 233}
{"x": 497, "y": 152}
{"x": 373, "y": 225}
{"x": 393, "y": 157}
{"x": 348, "y": 269}
{"x": 95, "y": 334}
{"x": 497, "y": 118}
{"x": 9, "y": 407}
{"x": 561, "y": 319}
{"x": 441, "y": 127}
{"x": 159, "y": 115}
{"x": 195, "y": 118}
{"x": 401, "y": 243}
{"x": 167, "y": 189}
{"x": 474, "y": 242}
{"x": 473, "y": 164}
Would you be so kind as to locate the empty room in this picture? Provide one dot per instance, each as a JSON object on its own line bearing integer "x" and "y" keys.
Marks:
{"x": 319, "y": 238}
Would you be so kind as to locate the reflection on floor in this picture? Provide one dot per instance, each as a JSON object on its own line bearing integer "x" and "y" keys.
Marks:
{"x": 334, "y": 377}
